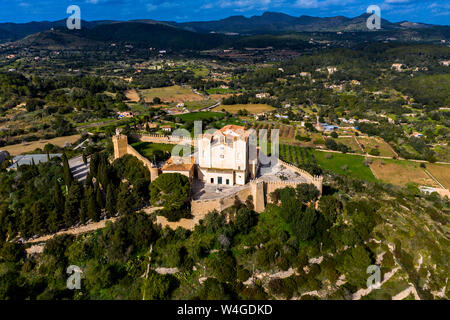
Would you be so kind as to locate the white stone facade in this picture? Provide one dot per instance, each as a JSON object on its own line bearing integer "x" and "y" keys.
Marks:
{"x": 225, "y": 157}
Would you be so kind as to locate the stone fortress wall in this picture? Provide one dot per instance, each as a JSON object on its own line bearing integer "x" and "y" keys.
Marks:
{"x": 260, "y": 190}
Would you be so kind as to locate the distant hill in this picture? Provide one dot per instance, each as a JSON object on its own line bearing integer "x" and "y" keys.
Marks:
{"x": 278, "y": 30}
{"x": 151, "y": 34}
{"x": 279, "y": 22}
{"x": 268, "y": 22}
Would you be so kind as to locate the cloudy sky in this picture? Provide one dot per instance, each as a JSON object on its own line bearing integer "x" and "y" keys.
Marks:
{"x": 428, "y": 11}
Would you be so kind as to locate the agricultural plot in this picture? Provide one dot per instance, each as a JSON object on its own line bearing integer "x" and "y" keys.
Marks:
{"x": 344, "y": 164}
{"x": 351, "y": 143}
{"x": 132, "y": 95}
{"x": 401, "y": 172}
{"x": 441, "y": 172}
{"x": 202, "y": 115}
{"x": 370, "y": 143}
{"x": 195, "y": 105}
{"x": 171, "y": 94}
{"x": 286, "y": 133}
{"x": 251, "y": 108}
{"x": 25, "y": 147}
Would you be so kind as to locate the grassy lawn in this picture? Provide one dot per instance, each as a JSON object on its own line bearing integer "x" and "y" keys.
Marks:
{"x": 252, "y": 108}
{"x": 345, "y": 164}
{"x": 171, "y": 94}
{"x": 401, "y": 172}
{"x": 202, "y": 115}
{"x": 194, "y": 105}
{"x": 151, "y": 150}
{"x": 219, "y": 91}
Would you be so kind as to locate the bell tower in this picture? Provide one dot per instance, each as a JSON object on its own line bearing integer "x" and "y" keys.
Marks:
{"x": 120, "y": 143}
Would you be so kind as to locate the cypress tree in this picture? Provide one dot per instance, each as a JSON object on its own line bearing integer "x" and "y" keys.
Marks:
{"x": 110, "y": 201}
{"x": 72, "y": 205}
{"x": 68, "y": 178}
{"x": 93, "y": 210}
{"x": 58, "y": 198}
{"x": 99, "y": 197}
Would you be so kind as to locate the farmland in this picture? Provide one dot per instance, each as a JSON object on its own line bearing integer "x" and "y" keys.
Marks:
{"x": 351, "y": 143}
{"x": 370, "y": 143}
{"x": 171, "y": 94}
{"x": 251, "y": 108}
{"x": 344, "y": 164}
{"x": 401, "y": 172}
{"x": 441, "y": 172}
{"x": 25, "y": 147}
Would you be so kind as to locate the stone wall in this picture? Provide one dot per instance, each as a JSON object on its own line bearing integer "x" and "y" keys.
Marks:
{"x": 202, "y": 207}
{"x": 157, "y": 138}
{"x": 132, "y": 151}
{"x": 315, "y": 180}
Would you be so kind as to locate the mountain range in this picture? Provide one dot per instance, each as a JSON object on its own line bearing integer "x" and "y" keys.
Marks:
{"x": 204, "y": 34}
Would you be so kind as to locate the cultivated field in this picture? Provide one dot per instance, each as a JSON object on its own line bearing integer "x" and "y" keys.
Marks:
{"x": 441, "y": 172}
{"x": 376, "y": 143}
{"x": 351, "y": 143}
{"x": 132, "y": 95}
{"x": 25, "y": 147}
{"x": 401, "y": 172}
{"x": 171, "y": 94}
{"x": 344, "y": 164}
{"x": 252, "y": 108}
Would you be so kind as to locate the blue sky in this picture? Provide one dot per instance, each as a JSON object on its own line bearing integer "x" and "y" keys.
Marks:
{"x": 427, "y": 11}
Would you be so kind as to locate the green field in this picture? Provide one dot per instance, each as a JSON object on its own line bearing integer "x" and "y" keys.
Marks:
{"x": 355, "y": 165}
{"x": 202, "y": 115}
{"x": 345, "y": 164}
{"x": 154, "y": 151}
{"x": 194, "y": 105}
{"x": 220, "y": 91}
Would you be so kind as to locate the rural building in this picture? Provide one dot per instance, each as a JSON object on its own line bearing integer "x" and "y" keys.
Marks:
{"x": 125, "y": 114}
